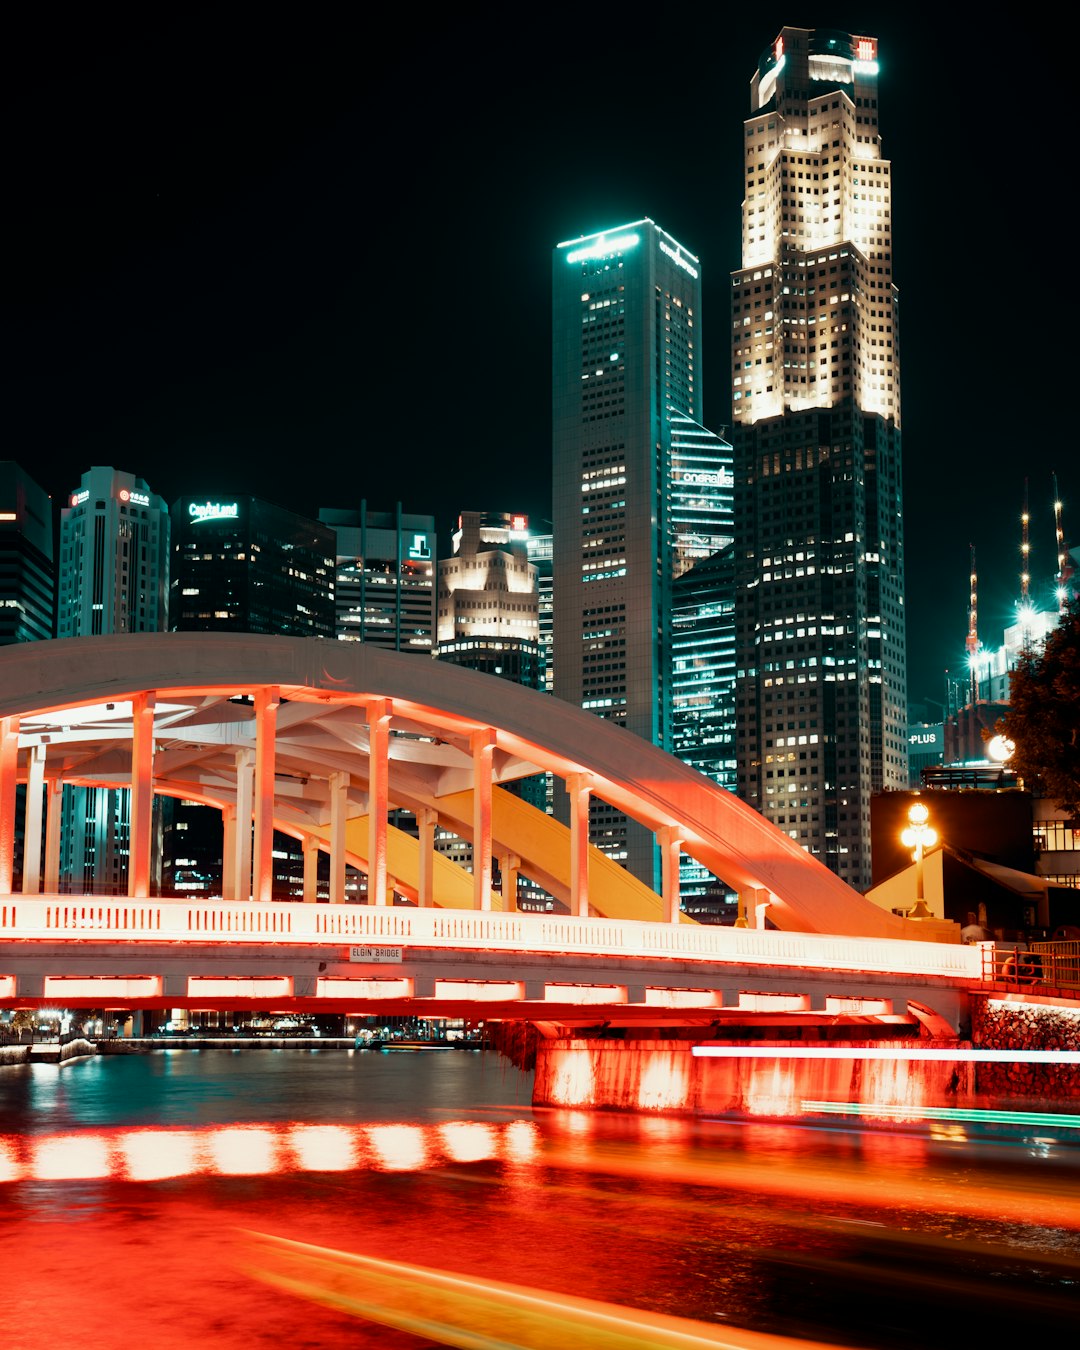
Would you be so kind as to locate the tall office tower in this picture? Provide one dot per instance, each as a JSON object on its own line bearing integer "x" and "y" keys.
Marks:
{"x": 385, "y": 577}
{"x": 819, "y": 570}
{"x": 114, "y": 557}
{"x": 539, "y": 547}
{"x": 27, "y": 576}
{"x": 114, "y": 567}
{"x": 488, "y": 609}
{"x": 626, "y": 358}
{"x": 244, "y": 566}
{"x": 240, "y": 565}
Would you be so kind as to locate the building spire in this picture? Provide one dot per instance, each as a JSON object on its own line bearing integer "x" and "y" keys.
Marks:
{"x": 1064, "y": 563}
{"x": 973, "y": 631}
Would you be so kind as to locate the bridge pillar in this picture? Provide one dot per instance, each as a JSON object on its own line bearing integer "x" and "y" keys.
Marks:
{"x": 229, "y": 868}
{"x": 426, "y": 821}
{"x": 245, "y": 768}
{"x": 142, "y": 794}
{"x": 509, "y": 863}
{"x": 54, "y": 817}
{"x": 311, "y": 869}
{"x": 35, "y": 792}
{"x": 266, "y": 706}
{"x": 9, "y": 770}
{"x": 670, "y": 850}
{"x": 483, "y": 752}
{"x": 579, "y": 786}
{"x": 339, "y": 803}
{"x": 379, "y": 713}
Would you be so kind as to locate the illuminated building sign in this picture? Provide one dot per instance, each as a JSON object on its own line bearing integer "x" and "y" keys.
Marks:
{"x": 519, "y": 523}
{"x": 866, "y": 49}
{"x": 924, "y": 738}
{"x": 420, "y": 548}
{"x": 701, "y": 478}
{"x": 603, "y": 247}
{"x": 137, "y": 498}
{"x": 203, "y": 511}
{"x": 77, "y": 498}
{"x": 677, "y": 258}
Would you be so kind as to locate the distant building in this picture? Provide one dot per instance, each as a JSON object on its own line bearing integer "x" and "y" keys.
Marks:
{"x": 821, "y": 684}
{"x": 113, "y": 572}
{"x": 488, "y": 619}
{"x": 241, "y": 565}
{"x": 114, "y": 557}
{"x": 385, "y": 577}
{"x": 627, "y": 488}
{"x": 27, "y": 574}
{"x": 540, "y": 555}
{"x": 488, "y": 608}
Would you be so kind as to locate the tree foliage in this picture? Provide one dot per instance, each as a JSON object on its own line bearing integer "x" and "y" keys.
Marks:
{"x": 1043, "y": 721}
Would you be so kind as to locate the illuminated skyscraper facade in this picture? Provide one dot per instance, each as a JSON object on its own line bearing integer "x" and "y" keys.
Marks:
{"x": 821, "y": 686}
{"x": 27, "y": 576}
{"x": 385, "y": 587}
{"x": 113, "y": 574}
{"x": 626, "y": 374}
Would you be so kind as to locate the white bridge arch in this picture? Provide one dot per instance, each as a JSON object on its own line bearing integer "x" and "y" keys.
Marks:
{"x": 320, "y": 739}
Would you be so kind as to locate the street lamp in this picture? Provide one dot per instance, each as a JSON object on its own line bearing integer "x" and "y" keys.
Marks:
{"x": 919, "y": 836}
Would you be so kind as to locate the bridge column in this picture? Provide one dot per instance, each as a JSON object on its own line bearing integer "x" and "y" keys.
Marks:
{"x": 245, "y": 768}
{"x": 483, "y": 753}
{"x": 426, "y": 821}
{"x": 509, "y": 863}
{"x": 35, "y": 792}
{"x": 379, "y": 712}
{"x": 579, "y": 786}
{"x": 267, "y": 702}
{"x": 339, "y": 806}
{"x": 753, "y": 902}
{"x": 9, "y": 770}
{"x": 142, "y": 795}
{"x": 670, "y": 842}
{"x": 311, "y": 869}
{"x": 54, "y": 817}
{"x": 229, "y": 868}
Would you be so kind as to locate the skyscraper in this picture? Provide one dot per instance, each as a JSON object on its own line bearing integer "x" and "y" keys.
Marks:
{"x": 385, "y": 587}
{"x": 241, "y": 565}
{"x": 626, "y": 375}
{"x": 821, "y": 686}
{"x": 27, "y": 576}
{"x": 114, "y": 568}
{"x": 488, "y": 613}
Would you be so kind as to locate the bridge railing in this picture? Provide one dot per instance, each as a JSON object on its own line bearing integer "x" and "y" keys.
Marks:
{"x": 61, "y": 918}
{"x": 1049, "y": 965}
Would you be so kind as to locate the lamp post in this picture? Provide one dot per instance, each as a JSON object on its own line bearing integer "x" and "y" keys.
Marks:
{"x": 919, "y": 836}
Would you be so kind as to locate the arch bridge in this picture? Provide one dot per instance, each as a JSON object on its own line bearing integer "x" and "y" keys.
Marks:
{"x": 324, "y": 741}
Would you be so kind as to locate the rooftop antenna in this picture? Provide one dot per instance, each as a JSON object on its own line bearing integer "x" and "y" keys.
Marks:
{"x": 973, "y": 632}
{"x": 1064, "y": 563}
{"x": 1025, "y": 550}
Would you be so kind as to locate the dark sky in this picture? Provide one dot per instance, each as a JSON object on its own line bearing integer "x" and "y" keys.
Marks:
{"x": 310, "y": 261}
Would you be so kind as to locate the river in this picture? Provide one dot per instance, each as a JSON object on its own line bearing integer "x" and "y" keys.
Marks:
{"x": 133, "y": 1186}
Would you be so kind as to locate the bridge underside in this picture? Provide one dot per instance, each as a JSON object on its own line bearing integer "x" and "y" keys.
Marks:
{"x": 324, "y": 741}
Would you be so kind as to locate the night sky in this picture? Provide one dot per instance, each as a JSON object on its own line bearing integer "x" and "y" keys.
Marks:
{"x": 310, "y": 260}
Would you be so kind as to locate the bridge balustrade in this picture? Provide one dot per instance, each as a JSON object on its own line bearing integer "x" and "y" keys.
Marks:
{"x": 58, "y": 918}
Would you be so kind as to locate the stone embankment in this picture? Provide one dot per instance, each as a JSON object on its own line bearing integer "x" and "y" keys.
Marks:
{"x": 997, "y": 1025}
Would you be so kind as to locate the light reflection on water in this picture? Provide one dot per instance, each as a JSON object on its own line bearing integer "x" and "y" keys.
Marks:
{"x": 126, "y": 1181}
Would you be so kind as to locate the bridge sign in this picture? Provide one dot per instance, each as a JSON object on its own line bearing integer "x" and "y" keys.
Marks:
{"x": 376, "y": 956}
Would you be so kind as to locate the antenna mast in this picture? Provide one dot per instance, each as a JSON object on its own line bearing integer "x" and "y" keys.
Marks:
{"x": 1064, "y": 565}
{"x": 973, "y": 632}
{"x": 1025, "y": 550}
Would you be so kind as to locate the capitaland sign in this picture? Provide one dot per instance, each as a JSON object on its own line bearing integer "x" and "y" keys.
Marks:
{"x": 604, "y": 247}
{"x": 204, "y": 511}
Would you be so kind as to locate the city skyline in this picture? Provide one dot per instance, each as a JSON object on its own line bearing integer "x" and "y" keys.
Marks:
{"x": 239, "y": 268}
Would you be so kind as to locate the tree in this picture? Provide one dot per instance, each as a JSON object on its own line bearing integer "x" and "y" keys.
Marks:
{"x": 1043, "y": 721}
